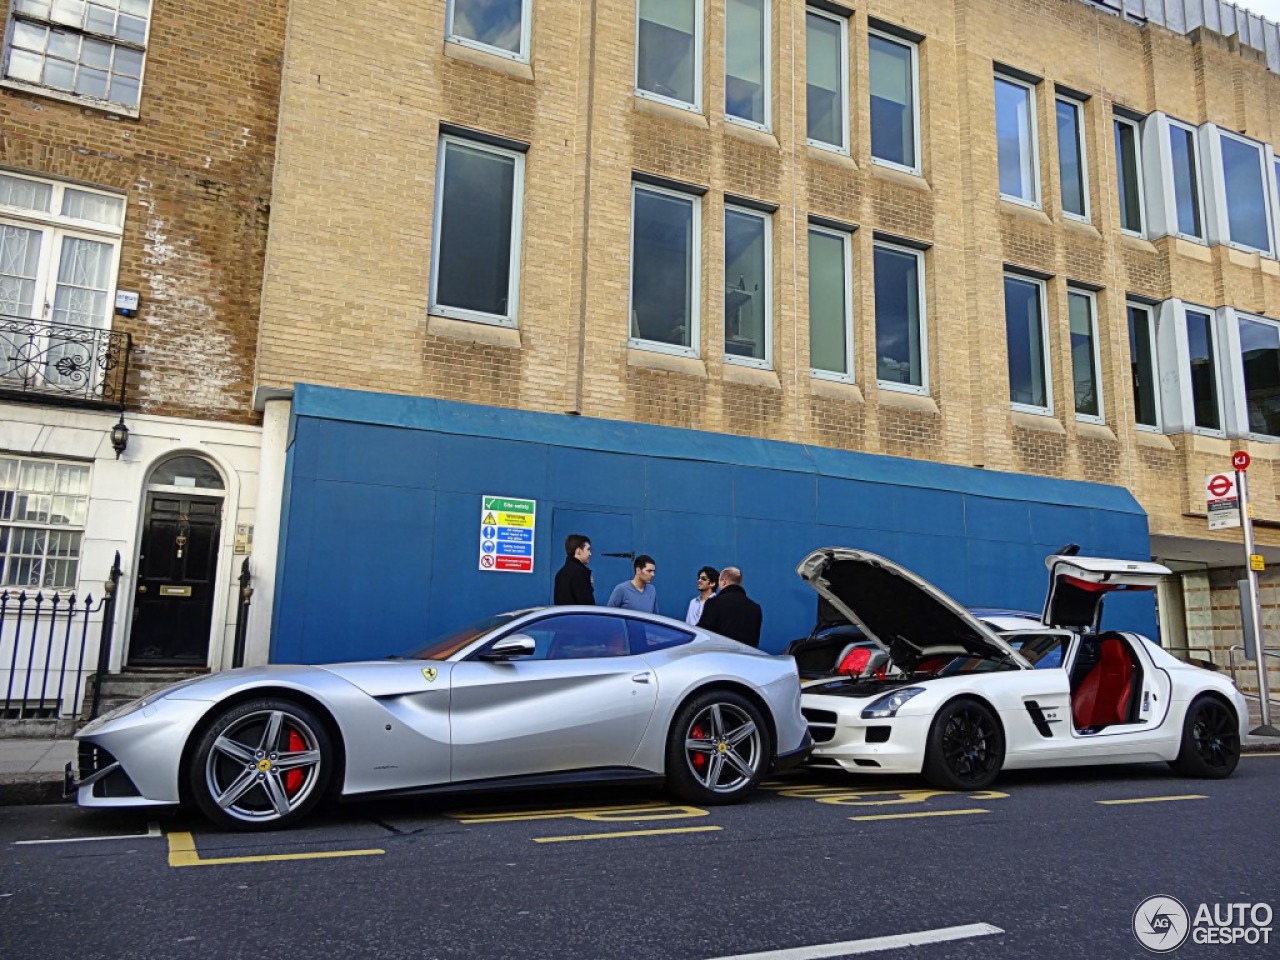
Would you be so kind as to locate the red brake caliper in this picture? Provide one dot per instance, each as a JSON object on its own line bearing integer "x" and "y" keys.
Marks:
{"x": 293, "y": 779}
{"x": 699, "y": 760}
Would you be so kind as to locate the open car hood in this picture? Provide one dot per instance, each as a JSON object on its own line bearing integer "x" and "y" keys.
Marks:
{"x": 906, "y": 616}
{"x": 1077, "y": 586}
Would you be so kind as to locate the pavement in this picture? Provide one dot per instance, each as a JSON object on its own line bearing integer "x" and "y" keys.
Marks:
{"x": 31, "y": 770}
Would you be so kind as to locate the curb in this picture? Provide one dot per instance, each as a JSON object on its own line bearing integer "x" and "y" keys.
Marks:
{"x": 24, "y": 789}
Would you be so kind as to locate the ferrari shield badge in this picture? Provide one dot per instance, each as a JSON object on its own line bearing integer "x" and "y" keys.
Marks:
{"x": 430, "y": 673}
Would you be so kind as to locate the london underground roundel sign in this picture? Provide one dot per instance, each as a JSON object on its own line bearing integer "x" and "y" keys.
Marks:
{"x": 1240, "y": 460}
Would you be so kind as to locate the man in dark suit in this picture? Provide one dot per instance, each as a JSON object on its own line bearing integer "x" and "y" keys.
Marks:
{"x": 731, "y": 613}
{"x": 573, "y": 583}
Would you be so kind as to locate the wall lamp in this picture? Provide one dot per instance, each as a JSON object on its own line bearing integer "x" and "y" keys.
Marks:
{"x": 119, "y": 436}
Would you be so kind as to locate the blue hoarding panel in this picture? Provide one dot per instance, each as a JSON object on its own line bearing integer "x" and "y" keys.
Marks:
{"x": 381, "y": 527}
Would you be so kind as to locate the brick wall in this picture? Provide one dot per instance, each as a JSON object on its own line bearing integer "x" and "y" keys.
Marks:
{"x": 195, "y": 167}
{"x": 366, "y": 87}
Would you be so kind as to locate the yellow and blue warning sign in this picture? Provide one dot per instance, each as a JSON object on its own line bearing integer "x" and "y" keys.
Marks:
{"x": 507, "y": 528}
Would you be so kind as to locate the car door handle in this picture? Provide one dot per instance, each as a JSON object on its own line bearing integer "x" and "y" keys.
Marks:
{"x": 641, "y": 678}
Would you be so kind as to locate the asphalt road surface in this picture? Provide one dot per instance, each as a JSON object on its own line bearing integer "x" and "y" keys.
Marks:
{"x": 1047, "y": 865}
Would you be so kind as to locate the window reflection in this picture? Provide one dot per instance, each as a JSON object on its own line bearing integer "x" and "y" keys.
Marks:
{"x": 1204, "y": 370}
{"x": 1260, "y": 358}
{"x": 1246, "y": 196}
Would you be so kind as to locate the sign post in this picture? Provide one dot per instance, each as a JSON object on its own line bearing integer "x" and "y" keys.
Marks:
{"x": 1240, "y": 460}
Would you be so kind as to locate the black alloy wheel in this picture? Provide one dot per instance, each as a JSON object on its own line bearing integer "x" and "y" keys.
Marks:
{"x": 966, "y": 747}
{"x": 1210, "y": 740}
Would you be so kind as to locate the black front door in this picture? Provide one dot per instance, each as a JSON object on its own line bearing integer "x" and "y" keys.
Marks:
{"x": 176, "y": 570}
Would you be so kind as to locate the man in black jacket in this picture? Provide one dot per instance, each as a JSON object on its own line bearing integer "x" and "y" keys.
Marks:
{"x": 731, "y": 613}
{"x": 573, "y": 583}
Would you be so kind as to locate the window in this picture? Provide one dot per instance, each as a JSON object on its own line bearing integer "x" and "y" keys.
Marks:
{"x": 1129, "y": 175}
{"x": 748, "y": 334}
{"x": 895, "y": 118}
{"x": 1071, "y": 158}
{"x": 475, "y": 268}
{"x": 746, "y": 62}
{"x": 1142, "y": 365}
{"x": 498, "y": 26}
{"x": 1260, "y": 360}
{"x": 1185, "y": 155}
{"x": 577, "y": 636}
{"x": 1016, "y": 145}
{"x": 827, "y": 80}
{"x": 1029, "y": 386}
{"x": 1202, "y": 354}
{"x": 42, "y": 510}
{"x": 901, "y": 354}
{"x": 1243, "y": 171}
{"x": 59, "y": 253}
{"x": 669, "y": 52}
{"x": 830, "y": 304}
{"x": 92, "y": 50}
{"x": 1082, "y": 315}
{"x": 665, "y": 254}
{"x": 647, "y": 637}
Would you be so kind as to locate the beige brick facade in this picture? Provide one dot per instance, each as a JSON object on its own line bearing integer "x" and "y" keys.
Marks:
{"x": 195, "y": 169}
{"x": 367, "y": 86}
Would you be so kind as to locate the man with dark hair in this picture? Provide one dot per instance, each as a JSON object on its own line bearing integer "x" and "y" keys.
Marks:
{"x": 573, "y": 583}
{"x": 707, "y": 577}
{"x": 638, "y": 593}
{"x": 731, "y": 613}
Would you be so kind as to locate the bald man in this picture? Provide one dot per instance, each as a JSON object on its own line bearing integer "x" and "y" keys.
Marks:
{"x": 731, "y": 613}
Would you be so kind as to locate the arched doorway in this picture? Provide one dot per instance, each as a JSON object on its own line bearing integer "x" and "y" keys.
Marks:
{"x": 177, "y": 565}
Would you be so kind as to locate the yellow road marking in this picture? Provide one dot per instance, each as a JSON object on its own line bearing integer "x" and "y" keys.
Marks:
{"x": 183, "y": 853}
{"x": 624, "y": 833}
{"x": 1185, "y": 796}
{"x": 922, "y": 813}
{"x": 612, "y": 814}
{"x": 843, "y": 796}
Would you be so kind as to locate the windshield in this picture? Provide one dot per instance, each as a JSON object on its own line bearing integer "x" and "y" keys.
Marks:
{"x": 1042, "y": 650}
{"x": 446, "y": 645}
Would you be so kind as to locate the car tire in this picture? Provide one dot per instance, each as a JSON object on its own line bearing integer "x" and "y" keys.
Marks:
{"x": 261, "y": 765}
{"x": 965, "y": 749}
{"x": 1210, "y": 746}
{"x": 718, "y": 749}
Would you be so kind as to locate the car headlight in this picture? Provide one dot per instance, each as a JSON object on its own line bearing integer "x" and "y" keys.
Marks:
{"x": 890, "y": 703}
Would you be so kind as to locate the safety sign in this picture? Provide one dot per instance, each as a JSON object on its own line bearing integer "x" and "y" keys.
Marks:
{"x": 1222, "y": 501}
{"x": 507, "y": 528}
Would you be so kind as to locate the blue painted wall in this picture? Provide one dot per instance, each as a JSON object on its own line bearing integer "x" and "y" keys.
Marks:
{"x": 380, "y": 527}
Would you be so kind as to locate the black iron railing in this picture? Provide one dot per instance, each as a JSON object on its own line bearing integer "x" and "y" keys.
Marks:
{"x": 63, "y": 363}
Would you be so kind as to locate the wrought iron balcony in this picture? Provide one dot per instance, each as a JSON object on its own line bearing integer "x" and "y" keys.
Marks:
{"x": 45, "y": 362}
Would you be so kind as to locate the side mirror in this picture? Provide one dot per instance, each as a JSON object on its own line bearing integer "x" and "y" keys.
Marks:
{"x": 508, "y": 648}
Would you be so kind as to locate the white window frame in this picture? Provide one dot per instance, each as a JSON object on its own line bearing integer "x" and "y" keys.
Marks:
{"x": 767, "y": 126}
{"x": 914, "y": 49}
{"x": 698, "y": 27}
{"x": 1173, "y": 227}
{"x": 1153, "y": 345}
{"x": 1047, "y": 410}
{"x": 66, "y": 96}
{"x": 1033, "y": 119}
{"x": 511, "y": 319}
{"x": 846, "y": 242}
{"x": 1177, "y": 397}
{"x": 54, "y": 226}
{"x": 1101, "y": 416}
{"x": 695, "y": 276}
{"x": 1222, "y": 203}
{"x": 1273, "y": 184}
{"x": 842, "y": 148}
{"x": 48, "y": 526}
{"x": 1082, "y": 143}
{"x": 526, "y": 32}
{"x": 767, "y": 220}
{"x": 1235, "y": 389}
{"x": 921, "y": 389}
{"x": 1141, "y": 174}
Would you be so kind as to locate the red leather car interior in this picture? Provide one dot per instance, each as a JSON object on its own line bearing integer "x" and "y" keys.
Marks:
{"x": 1103, "y": 696}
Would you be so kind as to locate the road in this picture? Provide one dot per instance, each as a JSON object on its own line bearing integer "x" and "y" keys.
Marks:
{"x": 1047, "y": 865}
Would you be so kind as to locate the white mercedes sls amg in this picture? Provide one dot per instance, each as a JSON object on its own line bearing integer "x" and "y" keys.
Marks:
{"x": 959, "y": 698}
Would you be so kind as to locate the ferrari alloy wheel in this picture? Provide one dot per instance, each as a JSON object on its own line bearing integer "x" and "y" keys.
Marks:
{"x": 261, "y": 765}
{"x": 718, "y": 750}
{"x": 1210, "y": 740}
{"x": 966, "y": 747}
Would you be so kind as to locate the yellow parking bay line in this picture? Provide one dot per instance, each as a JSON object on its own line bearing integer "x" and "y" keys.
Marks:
{"x": 183, "y": 853}
{"x": 624, "y": 833}
{"x": 653, "y": 810}
{"x": 922, "y": 813}
{"x": 1185, "y": 796}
